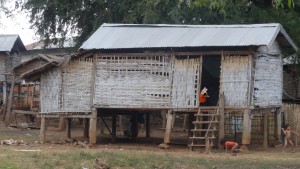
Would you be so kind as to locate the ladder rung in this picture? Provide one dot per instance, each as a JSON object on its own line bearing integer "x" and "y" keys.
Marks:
{"x": 198, "y": 145}
{"x": 204, "y": 122}
{"x": 198, "y": 138}
{"x": 195, "y": 130}
{"x": 206, "y": 114}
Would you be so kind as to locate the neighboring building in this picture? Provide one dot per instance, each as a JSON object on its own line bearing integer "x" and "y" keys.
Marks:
{"x": 164, "y": 67}
{"x": 11, "y": 49}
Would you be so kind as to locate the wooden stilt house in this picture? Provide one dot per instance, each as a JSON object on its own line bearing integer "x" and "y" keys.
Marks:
{"x": 11, "y": 48}
{"x": 125, "y": 67}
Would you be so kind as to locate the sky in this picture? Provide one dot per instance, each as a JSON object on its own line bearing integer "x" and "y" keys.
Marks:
{"x": 19, "y": 24}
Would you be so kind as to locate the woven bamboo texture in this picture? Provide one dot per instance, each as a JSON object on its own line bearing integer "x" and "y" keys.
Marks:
{"x": 186, "y": 83}
{"x": 235, "y": 79}
{"x": 50, "y": 90}
{"x": 268, "y": 81}
{"x": 133, "y": 81}
{"x": 2, "y": 66}
{"x": 77, "y": 83}
{"x": 12, "y": 61}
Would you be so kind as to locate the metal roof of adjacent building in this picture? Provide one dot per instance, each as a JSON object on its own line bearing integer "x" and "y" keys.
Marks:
{"x": 8, "y": 42}
{"x": 129, "y": 36}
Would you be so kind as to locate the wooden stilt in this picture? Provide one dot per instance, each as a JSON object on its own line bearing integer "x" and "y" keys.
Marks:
{"x": 86, "y": 128}
{"x": 246, "y": 138}
{"x": 9, "y": 103}
{"x": 221, "y": 121}
{"x": 191, "y": 125}
{"x": 184, "y": 125}
{"x": 121, "y": 122}
{"x": 163, "y": 114}
{"x": 93, "y": 127}
{"x": 167, "y": 136}
{"x": 265, "y": 116}
{"x": 43, "y": 130}
{"x": 148, "y": 125}
{"x": 68, "y": 127}
{"x": 114, "y": 128}
{"x": 277, "y": 127}
{"x": 207, "y": 145}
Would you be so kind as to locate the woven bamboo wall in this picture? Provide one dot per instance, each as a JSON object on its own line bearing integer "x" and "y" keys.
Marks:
{"x": 77, "y": 83}
{"x": 235, "y": 78}
{"x": 185, "y": 88}
{"x": 133, "y": 81}
{"x": 12, "y": 61}
{"x": 291, "y": 85}
{"x": 50, "y": 87}
{"x": 2, "y": 66}
{"x": 267, "y": 81}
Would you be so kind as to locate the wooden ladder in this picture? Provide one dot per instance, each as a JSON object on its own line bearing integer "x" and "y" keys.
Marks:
{"x": 205, "y": 127}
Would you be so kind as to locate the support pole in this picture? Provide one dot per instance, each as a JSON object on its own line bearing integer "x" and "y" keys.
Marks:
{"x": 93, "y": 127}
{"x": 164, "y": 119}
{"x": 68, "y": 127}
{"x": 277, "y": 127}
{"x": 148, "y": 125}
{"x": 191, "y": 125}
{"x": 114, "y": 128}
{"x": 86, "y": 128}
{"x": 167, "y": 136}
{"x": 43, "y": 130}
{"x": 221, "y": 121}
{"x": 9, "y": 103}
{"x": 266, "y": 116}
{"x": 246, "y": 138}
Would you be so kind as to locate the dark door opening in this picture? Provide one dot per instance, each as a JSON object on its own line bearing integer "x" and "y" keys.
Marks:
{"x": 211, "y": 68}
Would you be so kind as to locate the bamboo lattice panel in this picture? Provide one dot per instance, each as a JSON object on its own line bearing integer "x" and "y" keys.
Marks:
{"x": 77, "y": 83}
{"x": 235, "y": 78}
{"x": 133, "y": 81}
{"x": 50, "y": 90}
{"x": 186, "y": 76}
{"x": 267, "y": 81}
{"x": 2, "y": 66}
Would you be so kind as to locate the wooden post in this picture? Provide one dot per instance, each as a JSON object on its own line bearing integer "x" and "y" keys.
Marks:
{"x": 277, "y": 127}
{"x": 68, "y": 127}
{"x": 163, "y": 114}
{"x": 148, "y": 125}
{"x": 168, "y": 127}
{"x": 121, "y": 122}
{"x": 114, "y": 128}
{"x": 61, "y": 124}
{"x": 246, "y": 138}
{"x": 85, "y": 128}
{"x": 9, "y": 103}
{"x": 4, "y": 93}
{"x": 43, "y": 130}
{"x": 265, "y": 116}
{"x": 207, "y": 145}
{"x": 191, "y": 125}
{"x": 221, "y": 121}
{"x": 93, "y": 127}
{"x": 184, "y": 122}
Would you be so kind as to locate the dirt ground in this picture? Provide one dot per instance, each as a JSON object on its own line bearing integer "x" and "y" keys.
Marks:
{"x": 56, "y": 139}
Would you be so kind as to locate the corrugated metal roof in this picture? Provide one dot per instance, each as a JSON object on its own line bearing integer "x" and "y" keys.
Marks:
{"x": 7, "y": 43}
{"x": 126, "y": 36}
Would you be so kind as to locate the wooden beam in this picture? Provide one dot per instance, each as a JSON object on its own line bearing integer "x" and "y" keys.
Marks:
{"x": 9, "y": 103}
{"x": 265, "y": 118}
{"x": 167, "y": 136}
{"x": 86, "y": 128}
{"x": 68, "y": 127}
{"x": 191, "y": 125}
{"x": 43, "y": 130}
{"x": 114, "y": 128}
{"x": 148, "y": 125}
{"x": 246, "y": 138}
{"x": 93, "y": 127}
{"x": 221, "y": 121}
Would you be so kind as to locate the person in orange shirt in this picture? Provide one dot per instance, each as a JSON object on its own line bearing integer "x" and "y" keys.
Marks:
{"x": 203, "y": 95}
{"x": 232, "y": 145}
